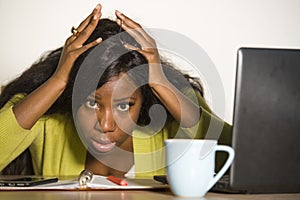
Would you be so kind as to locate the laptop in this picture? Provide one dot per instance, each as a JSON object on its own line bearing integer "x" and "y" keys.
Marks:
{"x": 266, "y": 123}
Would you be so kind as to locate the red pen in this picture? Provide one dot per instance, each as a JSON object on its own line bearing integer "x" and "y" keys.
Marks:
{"x": 118, "y": 181}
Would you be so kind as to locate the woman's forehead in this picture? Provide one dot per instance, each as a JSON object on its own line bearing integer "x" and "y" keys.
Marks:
{"x": 118, "y": 87}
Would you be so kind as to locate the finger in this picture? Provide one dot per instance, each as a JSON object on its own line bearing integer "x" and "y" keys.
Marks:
{"x": 137, "y": 36}
{"x": 131, "y": 47}
{"x": 131, "y": 24}
{"x": 85, "y": 33}
{"x": 95, "y": 14}
{"x": 84, "y": 48}
{"x": 152, "y": 57}
{"x": 136, "y": 31}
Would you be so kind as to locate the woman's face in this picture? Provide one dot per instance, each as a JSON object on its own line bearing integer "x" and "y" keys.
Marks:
{"x": 109, "y": 115}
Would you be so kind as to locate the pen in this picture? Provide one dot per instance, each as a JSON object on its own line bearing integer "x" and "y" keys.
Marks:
{"x": 118, "y": 181}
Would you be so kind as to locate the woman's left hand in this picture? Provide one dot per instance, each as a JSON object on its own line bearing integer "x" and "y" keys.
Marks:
{"x": 171, "y": 97}
{"x": 148, "y": 49}
{"x": 148, "y": 44}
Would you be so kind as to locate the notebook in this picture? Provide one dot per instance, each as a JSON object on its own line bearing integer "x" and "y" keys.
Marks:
{"x": 266, "y": 123}
{"x": 85, "y": 181}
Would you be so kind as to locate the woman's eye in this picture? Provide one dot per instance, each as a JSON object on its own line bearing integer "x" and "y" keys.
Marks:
{"x": 123, "y": 107}
{"x": 91, "y": 104}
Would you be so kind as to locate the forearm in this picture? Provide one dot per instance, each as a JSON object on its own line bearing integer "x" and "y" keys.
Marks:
{"x": 182, "y": 108}
{"x": 35, "y": 104}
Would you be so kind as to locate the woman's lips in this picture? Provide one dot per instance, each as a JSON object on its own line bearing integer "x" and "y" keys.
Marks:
{"x": 103, "y": 146}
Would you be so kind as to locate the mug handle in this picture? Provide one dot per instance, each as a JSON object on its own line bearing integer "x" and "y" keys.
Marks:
{"x": 227, "y": 164}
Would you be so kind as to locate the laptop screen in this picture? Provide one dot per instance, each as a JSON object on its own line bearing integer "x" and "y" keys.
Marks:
{"x": 266, "y": 122}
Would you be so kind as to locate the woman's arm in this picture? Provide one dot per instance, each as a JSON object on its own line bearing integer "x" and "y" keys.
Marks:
{"x": 181, "y": 108}
{"x": 35, "y": 104}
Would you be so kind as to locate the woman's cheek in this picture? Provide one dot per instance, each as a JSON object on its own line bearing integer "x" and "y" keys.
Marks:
{"x": 85, "y": 120}
{"x": 126, "y": 122}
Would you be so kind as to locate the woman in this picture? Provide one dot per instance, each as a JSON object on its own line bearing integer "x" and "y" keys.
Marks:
{"x": 118, "y": 82}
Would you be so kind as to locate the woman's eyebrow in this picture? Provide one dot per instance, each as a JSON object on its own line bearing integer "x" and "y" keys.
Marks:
{"x": 97, "y": 97}
{"x": 91, "y": 97}
{"x": 124, "y": 99}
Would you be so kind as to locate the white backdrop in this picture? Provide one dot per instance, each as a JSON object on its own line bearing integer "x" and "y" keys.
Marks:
{"x": 220, "y": 27}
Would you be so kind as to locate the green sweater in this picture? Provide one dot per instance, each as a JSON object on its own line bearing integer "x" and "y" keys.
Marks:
{"x": 57, "y": 150}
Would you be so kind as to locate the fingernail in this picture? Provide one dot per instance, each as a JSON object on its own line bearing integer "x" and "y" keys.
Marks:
{"x": 97, "y": 7}
{"x": 125, "y": 45}
{"x": 99, "y": 40}
{"x": 96, "y": 16}
{"x": 119, "y": 13}
{"x": 118, "y": 21}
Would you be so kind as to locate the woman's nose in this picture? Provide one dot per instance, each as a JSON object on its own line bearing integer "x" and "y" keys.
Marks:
{"x": 106, "y": 122}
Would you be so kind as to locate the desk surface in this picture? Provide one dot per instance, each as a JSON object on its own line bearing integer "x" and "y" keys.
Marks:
{"x": 132, "y": 195}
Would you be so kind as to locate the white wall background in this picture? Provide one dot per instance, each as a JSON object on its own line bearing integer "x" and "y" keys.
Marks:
{"x": 220, "y": 27}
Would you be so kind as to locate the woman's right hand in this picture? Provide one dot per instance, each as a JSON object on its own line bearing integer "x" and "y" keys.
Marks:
{"x": 74, "y": 47}
{"x": 34, "y": 105}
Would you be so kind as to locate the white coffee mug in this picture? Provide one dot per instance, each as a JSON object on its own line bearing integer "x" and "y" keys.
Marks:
{"x": 191, "y": 165}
